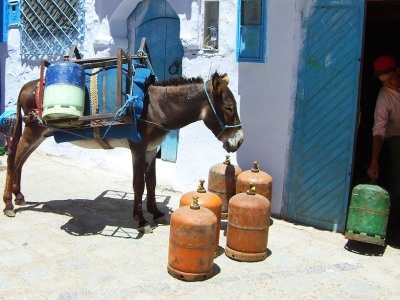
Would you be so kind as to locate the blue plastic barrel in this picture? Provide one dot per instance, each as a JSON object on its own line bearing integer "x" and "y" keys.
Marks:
{"x": 64, "y": 92}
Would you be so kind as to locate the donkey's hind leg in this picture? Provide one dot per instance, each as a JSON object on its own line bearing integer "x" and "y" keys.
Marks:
{"x": 7, "y": 195}
{"x": 32, "y": 137}
{"x": 23, "y": 152}
{"x": 12, "y": 184}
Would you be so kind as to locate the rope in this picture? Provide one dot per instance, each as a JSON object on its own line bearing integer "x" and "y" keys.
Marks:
{"x": 142, "y": 53}
{"x": 36, "y": 91}
{"x": 40, "y": 121}
{"x": 122, "y": 111}
{"x": 96, "y": 133}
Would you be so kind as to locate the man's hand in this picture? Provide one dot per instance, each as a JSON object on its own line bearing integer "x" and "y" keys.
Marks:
{"x": 373, "y": 170}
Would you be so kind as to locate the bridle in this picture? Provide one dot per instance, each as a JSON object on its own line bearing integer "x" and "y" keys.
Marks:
{"x": 220, "y": 122}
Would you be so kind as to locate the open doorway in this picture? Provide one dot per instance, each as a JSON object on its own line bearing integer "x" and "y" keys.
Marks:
{"x": 381, "y": 37}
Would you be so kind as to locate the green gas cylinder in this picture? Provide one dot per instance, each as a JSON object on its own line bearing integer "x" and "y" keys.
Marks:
{"x": 368, "y": 214}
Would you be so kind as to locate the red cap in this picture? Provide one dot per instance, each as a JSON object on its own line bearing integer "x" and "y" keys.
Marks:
{"x": 384, "y": 64}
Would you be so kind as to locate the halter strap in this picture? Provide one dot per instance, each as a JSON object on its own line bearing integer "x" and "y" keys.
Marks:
{"x": 159, "y": 126}
{"x": 220, "y": 122}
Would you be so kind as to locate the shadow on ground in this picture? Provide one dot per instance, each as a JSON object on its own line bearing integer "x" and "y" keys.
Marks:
{"x": 108, "y": 214}
{"x": 369, "y": 249}
{"x": 363, "y": 248}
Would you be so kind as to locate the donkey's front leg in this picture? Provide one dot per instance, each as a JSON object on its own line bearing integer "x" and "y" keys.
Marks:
{"x": 151, "y": 181}
{"x": 138, "y": 189}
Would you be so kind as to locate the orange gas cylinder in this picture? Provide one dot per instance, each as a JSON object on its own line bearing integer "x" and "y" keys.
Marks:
{"x": 248, "y": 226}
{"x": 208, "y": 200}
{"x": 192, "y": 242}
{"x": 262, "y": 181}
{"x": 222, "y": 182}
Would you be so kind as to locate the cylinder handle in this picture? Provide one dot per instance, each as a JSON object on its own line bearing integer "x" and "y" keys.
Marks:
{"x": 256, "y": 167}
{"x": 227, "y": 160}
{"x": 252, "y": 189}
{"x": 195, "y": 203}
{"x": 200, "y": 186}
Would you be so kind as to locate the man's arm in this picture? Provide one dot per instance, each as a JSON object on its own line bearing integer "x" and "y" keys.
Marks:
{"x": 373, "y": 170}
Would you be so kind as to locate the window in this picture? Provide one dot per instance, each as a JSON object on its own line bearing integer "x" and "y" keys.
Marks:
{"x": 51, "y": 27}
{"x": 251, "y": 31}
{"x": 4, "y": 20}
{"x": 13, "y": 12}
{"x": 211, "y": 18}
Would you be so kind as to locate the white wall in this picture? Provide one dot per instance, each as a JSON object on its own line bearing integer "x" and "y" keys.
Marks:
{"x": 267, "y": 93}
{"x": 264, "y": 92}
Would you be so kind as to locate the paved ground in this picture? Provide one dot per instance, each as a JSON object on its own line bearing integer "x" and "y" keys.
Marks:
{"x": 75, "y": 240}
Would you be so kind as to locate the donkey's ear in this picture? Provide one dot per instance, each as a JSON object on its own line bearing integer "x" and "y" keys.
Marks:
{"x": 219, "y": 83}
{"x": 225, "y": 78}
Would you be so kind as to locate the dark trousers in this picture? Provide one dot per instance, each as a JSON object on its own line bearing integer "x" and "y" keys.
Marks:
{"x": 393, "y": 146}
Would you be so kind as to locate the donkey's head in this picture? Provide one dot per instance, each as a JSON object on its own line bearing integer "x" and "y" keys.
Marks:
{"x": 221, "y": 115}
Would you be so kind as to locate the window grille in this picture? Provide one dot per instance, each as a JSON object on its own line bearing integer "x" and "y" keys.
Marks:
{"x": 51, "y": 27}
{"x": 251, "y": 13}
{"x": 211, "y": 20}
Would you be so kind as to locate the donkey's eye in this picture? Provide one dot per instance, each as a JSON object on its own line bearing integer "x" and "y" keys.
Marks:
{"x": 229, "y": 108}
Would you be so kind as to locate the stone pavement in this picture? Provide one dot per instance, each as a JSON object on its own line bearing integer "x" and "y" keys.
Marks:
{"x": 75, "y": 240}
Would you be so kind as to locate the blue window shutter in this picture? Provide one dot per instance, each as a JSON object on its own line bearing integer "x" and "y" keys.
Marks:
{"x": 4, "y": 20}
{"x": 13, "y": 12}
{"x": 251, "y": 40}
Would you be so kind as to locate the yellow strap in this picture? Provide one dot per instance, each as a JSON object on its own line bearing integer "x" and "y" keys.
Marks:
{"x": 94, "y": 92}
{"x": 94, "y": 104}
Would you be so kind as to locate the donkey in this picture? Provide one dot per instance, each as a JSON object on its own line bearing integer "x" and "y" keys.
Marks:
{"x": 168, "y": 105}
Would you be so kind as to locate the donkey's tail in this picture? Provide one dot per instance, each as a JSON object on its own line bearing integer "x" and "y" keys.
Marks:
{"x": 17, "y": 133}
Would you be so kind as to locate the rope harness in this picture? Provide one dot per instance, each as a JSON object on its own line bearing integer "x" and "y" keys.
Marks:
{"x": 221, "y": 124}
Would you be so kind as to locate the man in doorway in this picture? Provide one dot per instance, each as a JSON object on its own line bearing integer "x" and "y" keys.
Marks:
{"x": 387, "y": 129}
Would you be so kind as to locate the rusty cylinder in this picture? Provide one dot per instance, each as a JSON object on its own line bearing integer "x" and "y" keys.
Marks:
{"x": 248, "y": 226}
{"x": 222, "y": 182}
{"x": 208, "y": 200}
{"x": 192, "y": 242}
{"x": 262, "y": 181}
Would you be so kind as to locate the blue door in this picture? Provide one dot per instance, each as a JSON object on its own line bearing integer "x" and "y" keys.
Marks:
{"x": 158, "y": 22}
{"x": 321, "y": 153}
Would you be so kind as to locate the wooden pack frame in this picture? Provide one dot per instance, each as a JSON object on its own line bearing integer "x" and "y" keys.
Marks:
{"x": 106, "y": 119}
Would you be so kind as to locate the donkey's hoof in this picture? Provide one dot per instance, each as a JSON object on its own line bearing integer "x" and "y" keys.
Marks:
{"x": 161, "y": 220}
{"x": 20, "y": 202}
{"x": 9, "y": 212}
{"x": 145, "y": 229}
